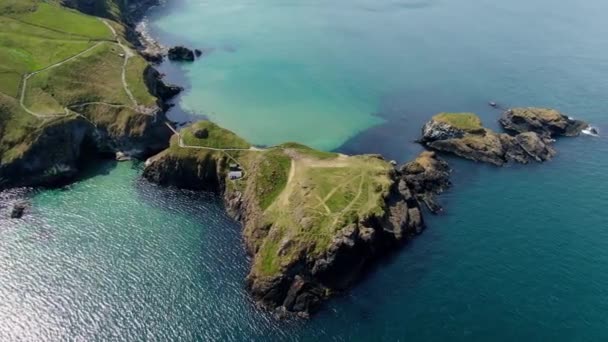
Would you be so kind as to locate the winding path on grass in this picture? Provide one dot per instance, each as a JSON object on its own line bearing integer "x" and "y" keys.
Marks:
{"x": 69, "y": 108}
{"x": 128, "y": 54}
{"x": 284, "y": 196}
{"x": 27, "y": 77}
{"x": 182, "y": 144}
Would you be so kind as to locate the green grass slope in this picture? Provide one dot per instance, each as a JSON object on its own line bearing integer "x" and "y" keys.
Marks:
{"x": 319, "y": 198}
{"x": 35, "y": 36}
{"x": 212, "y": 135}
{"x": 469, "y": 122}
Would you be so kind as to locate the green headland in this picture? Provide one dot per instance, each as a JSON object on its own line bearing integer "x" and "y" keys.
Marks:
{"x": 304, "y": 211}
{"x": 58, "y": 67}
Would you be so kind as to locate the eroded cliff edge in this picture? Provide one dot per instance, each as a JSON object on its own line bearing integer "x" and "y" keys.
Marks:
{"x": 313, "y": 221}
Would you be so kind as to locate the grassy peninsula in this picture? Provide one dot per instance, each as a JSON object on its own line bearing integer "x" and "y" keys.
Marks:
{"x": 312, "y": 219}
{"x": 304, "y": 194}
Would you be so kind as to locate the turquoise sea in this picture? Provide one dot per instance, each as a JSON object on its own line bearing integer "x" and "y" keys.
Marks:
{"x": 520, "y": 253}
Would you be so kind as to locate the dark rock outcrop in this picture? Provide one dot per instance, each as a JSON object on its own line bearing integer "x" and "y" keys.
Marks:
{"x": 485, "y": 145}
{"x": 548, "y": 123}
{"x": 157, "y": 87}
{"x": 202, "y": 133}
{"x": 426, "y": 176}
{"x": 187, "y": 172}
{"x": 152, "y": 56}
{"x": 18, "y": 210}
{"x": 181, "y": 54}
{"x": 52, "y": 157}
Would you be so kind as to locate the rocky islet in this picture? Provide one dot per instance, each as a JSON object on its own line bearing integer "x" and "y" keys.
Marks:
{"x": 530, "y": 137}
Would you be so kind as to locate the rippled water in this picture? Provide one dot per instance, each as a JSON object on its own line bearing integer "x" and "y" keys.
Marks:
{"x": 520, "y": 253}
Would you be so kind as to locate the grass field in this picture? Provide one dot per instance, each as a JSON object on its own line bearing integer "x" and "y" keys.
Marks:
{"x": 77, "y": 81}
{"x": 216, "y": 137}
{"x": 35, "y": 35}
{"x": 317, "y": 198}
{"x": 465, "y": 121}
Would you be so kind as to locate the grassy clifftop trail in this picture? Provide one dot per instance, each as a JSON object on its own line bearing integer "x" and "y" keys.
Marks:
{"x": 58, "y": 64}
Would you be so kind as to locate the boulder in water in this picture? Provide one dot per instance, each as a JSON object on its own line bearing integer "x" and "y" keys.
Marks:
{"x": 18, "y": 210}
{"x": 181, "y": 54}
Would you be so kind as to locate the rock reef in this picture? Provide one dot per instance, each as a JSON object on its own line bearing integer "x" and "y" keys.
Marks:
{"x": 312, "y": 221}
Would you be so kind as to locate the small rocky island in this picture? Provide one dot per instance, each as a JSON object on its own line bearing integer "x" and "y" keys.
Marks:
{"x": 183, "y": 54}
{"x": 532, "y": 131}
{"x": 313, "y": 221}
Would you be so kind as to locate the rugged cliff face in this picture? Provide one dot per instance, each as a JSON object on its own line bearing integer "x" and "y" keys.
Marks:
{"x": 51, "y": 156}
{"x": 157, "y": 87}
{"x": 462, "y": 134}
{"x": 313, "y": 221}
{"x": 52, "y": 153}
{"x": 426, "y": 176}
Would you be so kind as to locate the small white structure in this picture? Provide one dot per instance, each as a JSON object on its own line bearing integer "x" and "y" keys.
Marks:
{"x": 234, "y": 175}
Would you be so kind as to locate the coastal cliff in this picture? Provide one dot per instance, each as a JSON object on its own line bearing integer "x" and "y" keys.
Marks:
{"x": 97, "y": 99}
{"x": 313, "y": 221}
{"x": 534, "y": 129}
{"x": 51, "y": 154}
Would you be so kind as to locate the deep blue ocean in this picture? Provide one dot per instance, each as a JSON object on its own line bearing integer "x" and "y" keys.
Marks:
{"x": 521, "y": 252}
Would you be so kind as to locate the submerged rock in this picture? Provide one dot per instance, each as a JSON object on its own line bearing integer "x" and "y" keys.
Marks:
{"x": 546, "y": 122}
{"x": 181, "y": 54}
{"x": 467, "y": 138}
{"x": 18, "y": 210}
